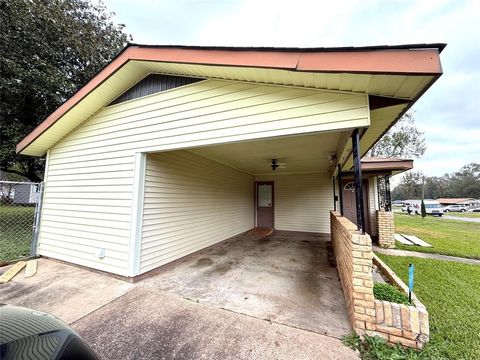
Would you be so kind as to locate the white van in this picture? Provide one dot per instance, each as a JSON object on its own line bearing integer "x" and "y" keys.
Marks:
{"x": 432, "y": 207}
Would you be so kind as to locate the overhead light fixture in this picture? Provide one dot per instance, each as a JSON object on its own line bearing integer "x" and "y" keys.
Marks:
{"x": 275, "y": 164}
{"x": 332, "y": 158}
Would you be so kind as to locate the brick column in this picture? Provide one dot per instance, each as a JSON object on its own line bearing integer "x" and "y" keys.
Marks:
{"x": 386, "y": 229}
{"x": 363, "y": 300}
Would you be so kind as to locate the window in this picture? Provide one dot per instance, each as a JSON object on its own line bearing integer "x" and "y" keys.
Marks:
{"x": 265, "y": 195}
{"x": 349, "y": 186}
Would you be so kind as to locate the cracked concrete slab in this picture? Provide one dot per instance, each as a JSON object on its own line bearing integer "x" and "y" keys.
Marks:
{"x": 66, "y": 291}
{"x": 285, "y": 277}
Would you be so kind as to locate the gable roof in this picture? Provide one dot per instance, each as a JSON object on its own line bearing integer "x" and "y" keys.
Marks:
{"x": 403, "y": 71}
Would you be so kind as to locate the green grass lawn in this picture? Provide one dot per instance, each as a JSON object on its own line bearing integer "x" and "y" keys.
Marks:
{"x": 451, "y": 292}
{"x": 465, "y": 214}
{"x": 15, "y": 232}
{"x": 448, "y": 237}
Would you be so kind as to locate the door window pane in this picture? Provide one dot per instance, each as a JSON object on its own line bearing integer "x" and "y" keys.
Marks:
{"x": 265, "y": 195}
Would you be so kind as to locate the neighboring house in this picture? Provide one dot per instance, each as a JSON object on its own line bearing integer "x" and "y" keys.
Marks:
{"x": 169, "y": 150}
{"x": 469, "y": 202}
{"x": 19, "y": 193}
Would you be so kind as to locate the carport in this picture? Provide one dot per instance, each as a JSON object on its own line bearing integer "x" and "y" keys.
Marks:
{"x": 169, "y": 151}
{"x": 197, "y": 197}
{"x": 200, "y": 197}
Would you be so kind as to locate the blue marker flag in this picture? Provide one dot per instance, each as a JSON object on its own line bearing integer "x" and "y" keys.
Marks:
{"x": 411, "y": 271}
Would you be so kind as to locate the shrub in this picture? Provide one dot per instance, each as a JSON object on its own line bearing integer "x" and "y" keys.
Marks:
{"x": 389, "y": 293}
{"x": 376, "y": 348}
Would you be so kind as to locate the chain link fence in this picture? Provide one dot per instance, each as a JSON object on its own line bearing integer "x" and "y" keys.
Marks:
{"x": 20, "y": 204}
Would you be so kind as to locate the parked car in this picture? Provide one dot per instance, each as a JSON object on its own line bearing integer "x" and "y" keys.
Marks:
{"x": 31, "y": 334}
{"x": 432, "y": 207}
{"x": 455, "y": 208}
{"x": 405, "y": 205}
{"x": 474, "y": 210}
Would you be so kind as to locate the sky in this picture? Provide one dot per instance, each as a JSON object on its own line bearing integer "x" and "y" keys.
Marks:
{"x": 448, "y": 113}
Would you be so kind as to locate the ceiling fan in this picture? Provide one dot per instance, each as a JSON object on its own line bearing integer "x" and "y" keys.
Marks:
{"x": 277, "y": 165}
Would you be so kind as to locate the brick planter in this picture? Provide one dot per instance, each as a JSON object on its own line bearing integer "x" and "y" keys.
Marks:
{"x": 399, "y": 323}
{"x": 407, "y": 325}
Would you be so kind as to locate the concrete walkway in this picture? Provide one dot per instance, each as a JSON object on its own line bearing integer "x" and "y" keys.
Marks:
{"x": 68, "y": 292}
{"x": 422, "y": 255}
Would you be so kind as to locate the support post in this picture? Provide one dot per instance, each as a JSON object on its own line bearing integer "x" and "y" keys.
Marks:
{"x": 340, "y": 190}
{"x": 36, "y": 221}
{"x": 357, "y": 167}
{"x": 334, "y": 195}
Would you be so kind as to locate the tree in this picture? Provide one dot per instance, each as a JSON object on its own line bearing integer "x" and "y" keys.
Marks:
{"x": 464, "y": 183}
{"x": 423, "y": 209}
{"x": 412, "y": 181}
{"x": 402, "y": 140}
{"x": 48, "y": 50}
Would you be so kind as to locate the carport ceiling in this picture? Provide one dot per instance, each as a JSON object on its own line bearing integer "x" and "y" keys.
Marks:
{"x": 308, "y": 153}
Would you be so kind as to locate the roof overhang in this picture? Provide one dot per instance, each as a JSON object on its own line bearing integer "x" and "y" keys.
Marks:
{"x": 400, "y": 72}
{"x": 388, "y": 165}
{"x": 382, "y": 166}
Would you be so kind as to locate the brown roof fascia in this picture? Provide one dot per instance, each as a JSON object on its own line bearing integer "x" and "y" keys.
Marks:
{"x": 400, "y": 61}
{"x": 390, "y": 60}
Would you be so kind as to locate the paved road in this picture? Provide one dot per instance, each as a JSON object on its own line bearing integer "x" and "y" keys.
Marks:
{"x": 468, "y": 219}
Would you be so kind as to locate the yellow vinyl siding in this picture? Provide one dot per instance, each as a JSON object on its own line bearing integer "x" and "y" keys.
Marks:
{"x": 91, "y": 171}
{"x": 302, "y": 202}
{"x": 214, "y": 112}
{"x": 191, "y": 203}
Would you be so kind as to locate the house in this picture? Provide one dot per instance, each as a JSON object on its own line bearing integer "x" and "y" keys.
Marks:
{"x": 169, "y": 150}
{"x": 376, "y": 173}
{"x": 469, "y": 202}
{"x": 19, "y": 193}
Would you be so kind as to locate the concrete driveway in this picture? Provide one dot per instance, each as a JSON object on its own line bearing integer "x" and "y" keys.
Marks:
{"x": 125, "y": 321}
{"x": 286, "y": 278}
{"x": 150, "y": 324}
{"x": 66, "y": 291}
